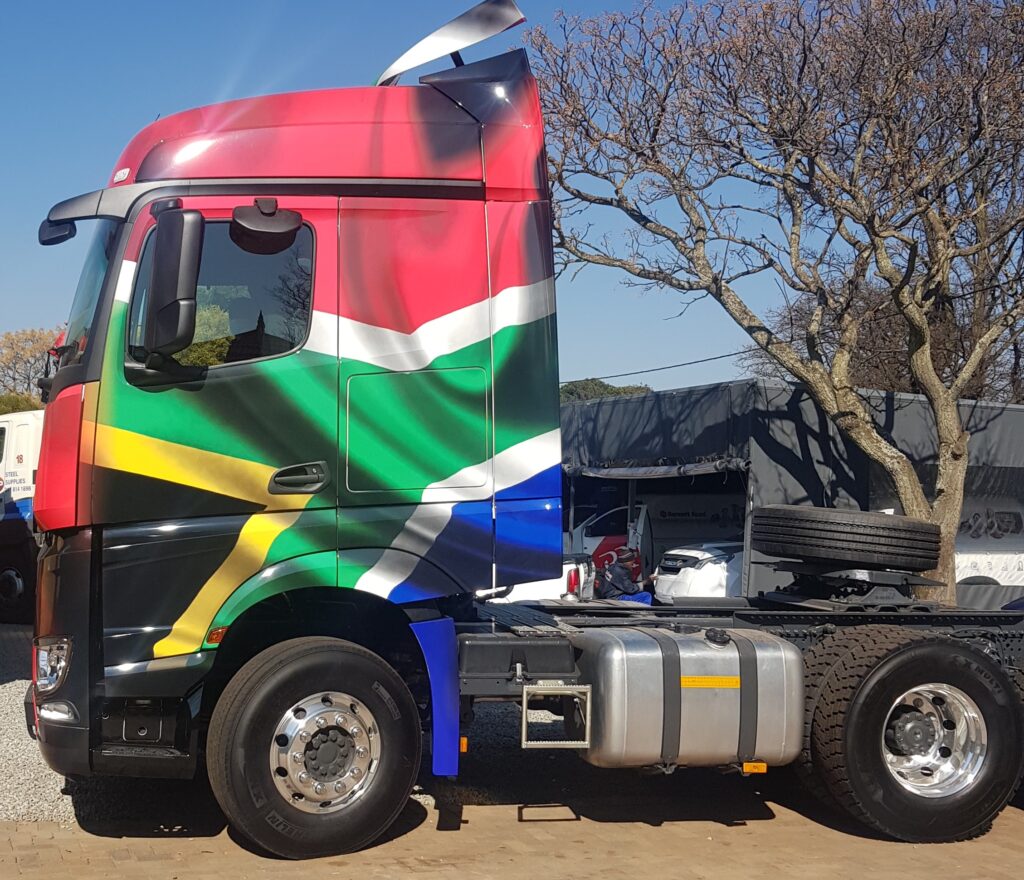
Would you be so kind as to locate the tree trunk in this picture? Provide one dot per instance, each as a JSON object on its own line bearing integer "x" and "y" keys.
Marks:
{"x": 948, "y": 523}
{"x": 945, "y": 511}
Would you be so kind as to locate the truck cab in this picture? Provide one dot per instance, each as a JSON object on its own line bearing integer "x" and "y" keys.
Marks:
{"x": 309, "y": 390}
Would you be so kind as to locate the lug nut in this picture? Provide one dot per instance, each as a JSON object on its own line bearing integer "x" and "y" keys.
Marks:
{"x": 355, "y": 772}
{"x": 304, "y": 736}
{"x": 303, "y": 777}
{"x": 339, "y": 787}
{"x": 297, "y": 757}
{"x": 319, "y": 788}
{"x": 361, "y": 752}
{"x": 355, "y": 730}
{"x": 340, "y": 720}
{"x": 321, "y": 721}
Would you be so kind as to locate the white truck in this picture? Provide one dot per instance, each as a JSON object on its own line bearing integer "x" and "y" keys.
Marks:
{"x": 20, "y": 434}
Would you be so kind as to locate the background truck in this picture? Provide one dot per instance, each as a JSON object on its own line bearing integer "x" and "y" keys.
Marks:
{"x": 20, "y": 435}
{"x": 311, "y": 409}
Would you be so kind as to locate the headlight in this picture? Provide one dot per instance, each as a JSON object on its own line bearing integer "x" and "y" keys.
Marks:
{"x": 52, "y": 659}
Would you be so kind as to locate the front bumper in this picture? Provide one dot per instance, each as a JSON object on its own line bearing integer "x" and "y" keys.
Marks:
{"x": 64, "y": 747}
{"x": 132, "y": 719}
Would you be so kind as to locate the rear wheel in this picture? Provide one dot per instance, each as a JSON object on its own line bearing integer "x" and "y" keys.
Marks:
{"x": 17, "y": 587}
{"x": 314, "y": 747}
{"x": 917, "y": 735}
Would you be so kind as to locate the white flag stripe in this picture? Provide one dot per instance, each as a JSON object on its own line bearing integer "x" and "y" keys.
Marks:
{"x": 399, "y": 351}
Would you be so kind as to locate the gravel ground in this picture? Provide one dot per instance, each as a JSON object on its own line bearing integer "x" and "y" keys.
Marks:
{"x": 29, "y": 790}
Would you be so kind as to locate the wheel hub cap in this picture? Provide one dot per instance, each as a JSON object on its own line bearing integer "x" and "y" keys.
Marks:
{"x": 329, "y": 753}
{"x": 913, "y": 734}
{"x": 934, "y": 740}
{"x": 325, "y": 752}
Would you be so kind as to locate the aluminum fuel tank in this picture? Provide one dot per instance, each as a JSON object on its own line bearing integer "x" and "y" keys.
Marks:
{"x": 701, "y": 699}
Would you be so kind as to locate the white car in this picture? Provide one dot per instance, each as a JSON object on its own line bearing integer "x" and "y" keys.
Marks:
{"x": 700, "y": 570}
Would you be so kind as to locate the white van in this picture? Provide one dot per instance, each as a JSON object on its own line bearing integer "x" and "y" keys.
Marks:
{"x": 20, "y": 435}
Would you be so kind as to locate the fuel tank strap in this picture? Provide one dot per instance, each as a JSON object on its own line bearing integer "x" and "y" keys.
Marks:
{"x": 748, "y": 697}
{"x": 671, "y": 673}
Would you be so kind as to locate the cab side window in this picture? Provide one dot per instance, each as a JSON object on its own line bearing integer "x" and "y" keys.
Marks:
{"x": 248, "y": 306}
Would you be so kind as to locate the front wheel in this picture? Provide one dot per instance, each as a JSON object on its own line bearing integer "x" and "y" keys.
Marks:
{"x": 918, "y": 736}
{"x": 314, "y": 747}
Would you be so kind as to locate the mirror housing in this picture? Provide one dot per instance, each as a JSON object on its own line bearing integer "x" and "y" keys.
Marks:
{"x": 56, "y": 233}
{"x": 261, "y": 228}
{"x": 171, "y": 311}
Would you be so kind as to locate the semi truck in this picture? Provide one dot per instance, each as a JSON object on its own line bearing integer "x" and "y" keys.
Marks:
{"x": 309, "y": 408}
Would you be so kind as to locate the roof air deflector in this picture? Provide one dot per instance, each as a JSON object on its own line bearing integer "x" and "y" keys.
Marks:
{"x": 486, "y": 19}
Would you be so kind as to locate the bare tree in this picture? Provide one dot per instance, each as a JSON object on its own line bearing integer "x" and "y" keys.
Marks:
{"x": 881, "y": 359}
{"x": 828, "y": 148}
{"x": 23, "y": 355}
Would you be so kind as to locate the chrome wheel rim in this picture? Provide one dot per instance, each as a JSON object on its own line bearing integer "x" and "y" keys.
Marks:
{"x": 934, "y": 740}
{"x": 325, "y": 752}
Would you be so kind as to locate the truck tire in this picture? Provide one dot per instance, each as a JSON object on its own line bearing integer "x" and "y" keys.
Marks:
{"x": 857, "y": 539}
{"x": 917, "y": 735}
{"x": 314, "y": 747}
{"x": 818, "y": 662}
{"x": 17, "y": 586}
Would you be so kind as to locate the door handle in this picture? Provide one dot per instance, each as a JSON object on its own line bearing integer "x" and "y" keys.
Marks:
{"x": 296, "y": 479}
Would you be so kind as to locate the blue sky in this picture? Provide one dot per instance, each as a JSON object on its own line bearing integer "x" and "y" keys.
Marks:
{"x": 78, "y": 80}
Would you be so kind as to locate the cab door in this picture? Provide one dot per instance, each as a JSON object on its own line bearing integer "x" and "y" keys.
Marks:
{"x": 221, "y": 462}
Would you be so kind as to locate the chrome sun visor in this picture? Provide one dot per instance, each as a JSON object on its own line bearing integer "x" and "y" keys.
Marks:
{"x": 486, "y": 19}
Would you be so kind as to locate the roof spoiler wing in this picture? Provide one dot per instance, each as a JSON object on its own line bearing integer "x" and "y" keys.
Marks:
{"x": 486, "y": 19}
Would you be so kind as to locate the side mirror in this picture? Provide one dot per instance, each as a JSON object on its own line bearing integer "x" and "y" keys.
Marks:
{"x": 171, "y": 312}
{"x": 55, "y": 233}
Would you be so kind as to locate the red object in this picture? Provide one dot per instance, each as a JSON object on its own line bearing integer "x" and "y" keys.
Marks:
{"x": 216, "y": 635}
{"x": 58, "y": 342}
{"x": 572, "y": 581}
{"x": 57, "y": 477}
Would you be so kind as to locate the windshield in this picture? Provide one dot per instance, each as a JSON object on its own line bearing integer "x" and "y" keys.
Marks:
{"x": 87, "y": 295}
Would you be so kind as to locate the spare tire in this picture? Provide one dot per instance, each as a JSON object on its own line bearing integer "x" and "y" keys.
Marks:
{"x": 853, "y": 538}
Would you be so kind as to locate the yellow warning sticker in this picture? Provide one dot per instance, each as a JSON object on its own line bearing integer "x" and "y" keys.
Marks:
{"x": 709, "y": 681}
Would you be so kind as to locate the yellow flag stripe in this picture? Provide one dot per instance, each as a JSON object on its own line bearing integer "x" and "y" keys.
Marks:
{"x": 726, "y": 682}
{"x": 127, "y": 451}
{"x": 245, "y": 559}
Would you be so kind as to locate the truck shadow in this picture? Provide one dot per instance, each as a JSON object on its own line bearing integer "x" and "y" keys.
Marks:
{"x": 145, "y": 808}
{"x": 558, "y": 786}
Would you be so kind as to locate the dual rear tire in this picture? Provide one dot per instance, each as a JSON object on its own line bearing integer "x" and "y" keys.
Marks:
{"x": 917, "y": 736}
